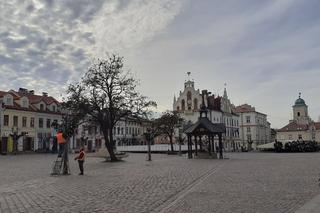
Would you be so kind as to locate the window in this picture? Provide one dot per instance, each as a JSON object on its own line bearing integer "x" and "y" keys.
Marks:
{"x": 54, "y": 108}
{"x": 248, "y": 119}
{"x": 118, "y": 130}
{"x": 6, "y": 120}
{"x": 9, "y": 100}
{"x": 48, "y": 123}
{"x": 40, "y": 122}
{"x": 126, "y": 130}
{"x": 31, "y": 122}
{"x": 248, "y": 129}
{"x": 300, "y": 137}
{"x": 121, "y": 130}
{"x": 183, "y": 104}
{"x": 25, "y": 103}
{"x": 41, "y": 107}
{"x": 15, "y": 120}
{"x": 195, "y": 103}
{"x": 24, "y": 121}
{"x": 290, "y": 137}
{"x": 249, "y": 137}
{"x": 298, "y": 114}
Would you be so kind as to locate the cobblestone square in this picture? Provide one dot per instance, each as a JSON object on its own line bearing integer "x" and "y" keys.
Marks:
{"x": 246, "y": 182}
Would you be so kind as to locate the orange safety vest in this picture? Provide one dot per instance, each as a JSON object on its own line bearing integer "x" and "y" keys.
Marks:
{"x": 81, "y": 156}
{"x": 60, "y": 138}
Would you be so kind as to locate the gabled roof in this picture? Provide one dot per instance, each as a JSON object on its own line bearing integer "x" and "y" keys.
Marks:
{"x": 207, "y": 125}
{"x": 294, "y": 126}
{"x": 33, "y": 99}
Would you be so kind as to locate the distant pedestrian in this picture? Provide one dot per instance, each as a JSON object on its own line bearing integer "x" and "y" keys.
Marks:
{"x": 80, "y": 159}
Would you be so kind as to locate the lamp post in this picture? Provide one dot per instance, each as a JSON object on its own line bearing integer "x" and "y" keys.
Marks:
{"x": 82, "y": 139}
{"x": 148, "y": 136}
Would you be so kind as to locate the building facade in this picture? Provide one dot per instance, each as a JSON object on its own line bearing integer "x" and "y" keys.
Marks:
{"x": 254, "y": 127}
{"x": 220, "y": 110}
{"x": 28, "y": 117}
{"x": 301, "y": 127}
{"x": 127, "y": 132}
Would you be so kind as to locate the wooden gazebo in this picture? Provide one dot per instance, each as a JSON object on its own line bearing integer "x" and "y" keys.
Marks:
{"x": 204, "y": 127}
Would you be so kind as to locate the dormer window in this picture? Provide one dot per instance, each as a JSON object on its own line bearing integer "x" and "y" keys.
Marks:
{"x": 54, "y": 108}
{"x": 41, "y": 107}
{"x": 9, "y": 100}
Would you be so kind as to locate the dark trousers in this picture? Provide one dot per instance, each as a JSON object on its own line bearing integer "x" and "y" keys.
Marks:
{"x": 81, "y": 166}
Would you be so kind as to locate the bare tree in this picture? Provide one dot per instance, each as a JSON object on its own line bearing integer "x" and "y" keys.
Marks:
{"x": 167, "y": 124}
{"x": 106, "y": 94}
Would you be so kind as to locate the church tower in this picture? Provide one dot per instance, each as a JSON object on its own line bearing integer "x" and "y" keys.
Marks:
{"x": 300, "y": 111}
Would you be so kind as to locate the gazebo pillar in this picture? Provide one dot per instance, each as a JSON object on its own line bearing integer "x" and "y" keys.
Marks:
{"x": 220, "y": 146}
{"x": 196, "y": 145}
{"x": 189, "y": 147}
{"x": 209, "y": 144}
{"x": 200, "y": 142}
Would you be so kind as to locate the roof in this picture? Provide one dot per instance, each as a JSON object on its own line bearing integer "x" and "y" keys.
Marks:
{"x": 299, "y": 102}
{"x": 33, "y": 99}
{"x": 294, "y": 127}
{"x": 317, "y": 125}
{"x": 206, "y": 125}
{"x": 246, "y": 108}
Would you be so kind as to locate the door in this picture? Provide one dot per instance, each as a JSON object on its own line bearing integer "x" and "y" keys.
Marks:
{"x": 4, "y": 145}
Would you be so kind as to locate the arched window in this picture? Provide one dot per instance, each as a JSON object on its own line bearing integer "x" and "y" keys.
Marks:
{"x": 189, "y": 100}
{"x": 178, "y": 108}
{"x": 298, "y": 114}
{"x": 183, "y": 104}
{"x": 189, "y": 95}
{"x": 195, "y": 103}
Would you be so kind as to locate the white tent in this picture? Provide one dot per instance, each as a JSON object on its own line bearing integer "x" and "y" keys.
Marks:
{"x": 266, "y": 146}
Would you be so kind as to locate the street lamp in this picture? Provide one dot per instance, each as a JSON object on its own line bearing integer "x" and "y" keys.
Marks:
{"x": 148, "y": 137}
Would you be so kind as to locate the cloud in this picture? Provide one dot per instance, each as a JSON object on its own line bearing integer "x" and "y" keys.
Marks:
{"x": 44, "y": 45}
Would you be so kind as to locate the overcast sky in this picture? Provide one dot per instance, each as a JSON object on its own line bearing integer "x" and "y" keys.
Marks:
{"x": 266, "y": 51}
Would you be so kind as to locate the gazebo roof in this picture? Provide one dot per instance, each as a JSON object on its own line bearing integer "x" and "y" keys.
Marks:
{"x": 205, "y": 126}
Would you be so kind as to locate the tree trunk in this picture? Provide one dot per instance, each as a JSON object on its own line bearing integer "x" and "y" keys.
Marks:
{"x": 109, "y": 147}
{"x": 171, "y": 143}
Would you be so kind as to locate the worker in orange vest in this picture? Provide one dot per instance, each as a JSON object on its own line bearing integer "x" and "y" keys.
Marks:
{"x": 61, "y": 141}
{"x": 80, "y": 159}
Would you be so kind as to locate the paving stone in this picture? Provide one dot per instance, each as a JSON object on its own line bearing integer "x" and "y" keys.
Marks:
{"x": 247, "y": 182}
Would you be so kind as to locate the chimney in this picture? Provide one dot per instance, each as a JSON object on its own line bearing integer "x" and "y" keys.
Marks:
{"x": 31, "y": 92}
{"x": 23, "y": 90}
{"x": 45, "y": 94}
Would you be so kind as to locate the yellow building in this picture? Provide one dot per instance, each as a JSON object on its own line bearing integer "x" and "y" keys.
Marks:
{"x": 26, "y": 118}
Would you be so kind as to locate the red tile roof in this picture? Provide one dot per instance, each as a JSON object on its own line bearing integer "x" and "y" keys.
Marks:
{"x": 294, "y": 127}
{"x": 244, "y": 108}
{"x": 317, "y": 125}
{"x": 33, "y": 99}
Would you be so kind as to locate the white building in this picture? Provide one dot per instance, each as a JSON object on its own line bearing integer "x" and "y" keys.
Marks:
{"x": 188, "y": 103}
{"x": 301, "y": 127}
{"x": 254, "y": 127}
{"x": 128, "y": 131}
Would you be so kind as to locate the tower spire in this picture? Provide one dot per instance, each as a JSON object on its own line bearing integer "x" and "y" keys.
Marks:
{"x": 188, "y": 73}
{"x": 299, "y": 94}
{"x": 225, "y": 95}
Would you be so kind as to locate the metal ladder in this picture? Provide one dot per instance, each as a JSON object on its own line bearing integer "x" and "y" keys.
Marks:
{"x": 57, "y": 166}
